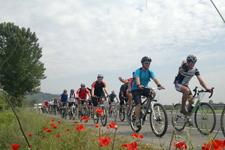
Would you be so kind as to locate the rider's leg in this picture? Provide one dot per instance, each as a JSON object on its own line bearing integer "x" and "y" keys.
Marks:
{"x": 186, "y": 91}
{"x": 129, "y": 96}
{"x": 137, "y": 99}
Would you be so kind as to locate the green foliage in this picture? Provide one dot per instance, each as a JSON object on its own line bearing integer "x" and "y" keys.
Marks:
{"x": 20, "y": 67}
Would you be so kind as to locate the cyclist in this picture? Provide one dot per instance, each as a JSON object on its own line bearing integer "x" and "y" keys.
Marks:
{"x": 186, "y": 71}
{"x": 82, "y": 95}
{"x": 71, "y": 100}
{"x": 98, "y": 90}
{"x": 64, "y": 98}
{"x": 112, "y": 97}
{"x": 140, "y": 85}
{"x": 125, "y": 91}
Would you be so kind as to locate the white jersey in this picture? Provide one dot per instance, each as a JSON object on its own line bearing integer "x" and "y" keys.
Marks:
{"x": 72, "y": 98}
{"x": 185, "y": 74}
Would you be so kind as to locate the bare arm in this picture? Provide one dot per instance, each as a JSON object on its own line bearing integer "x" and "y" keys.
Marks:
{"x": 123, "y": 80}
{"x": 157, "y": 83}
{"x": 202, "y": 83}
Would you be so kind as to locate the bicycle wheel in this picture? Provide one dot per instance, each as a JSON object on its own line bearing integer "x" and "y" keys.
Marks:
{"x": 158, "y": 120}
{"x": 205, "y": 118}
{"x": 222, "y": 121}
{"x": 122, "y": 113}
{"x": 178, "y": 119}
{"x": 104, "y": 117}
{"x": 133, "y": 120}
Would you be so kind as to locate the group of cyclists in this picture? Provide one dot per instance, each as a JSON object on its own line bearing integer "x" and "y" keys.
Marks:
{"x": 136, "y": 87}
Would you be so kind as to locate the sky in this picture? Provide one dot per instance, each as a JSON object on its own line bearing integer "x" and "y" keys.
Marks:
{"x": 83, "y": 38}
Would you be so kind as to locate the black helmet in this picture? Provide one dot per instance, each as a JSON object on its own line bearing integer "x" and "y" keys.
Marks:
{"x": 191, "y": 58}
{"x": 100, "y": 76}
{"x": 146, "y": 58}
{"x": 82, "y": 85}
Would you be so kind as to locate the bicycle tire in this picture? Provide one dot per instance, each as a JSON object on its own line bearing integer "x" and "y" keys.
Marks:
{"x": 177, "y": 115}
{"x": 196, "y": 118}
{"x": 158, "y": 119}
{"x": 133, "y": 121}
{"x": 122, "y": 114}
{"x": 103, "y": 118}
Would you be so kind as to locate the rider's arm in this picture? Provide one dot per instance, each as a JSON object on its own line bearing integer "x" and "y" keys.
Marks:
{"x": 202, "y": 83}
{"x": 123, "y": 80}
{"x": 157, "y": 83}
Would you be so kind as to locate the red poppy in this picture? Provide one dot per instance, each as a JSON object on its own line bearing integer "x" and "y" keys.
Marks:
{"x": 52, "y": 120}
{"x": 29, "y": 134}
{"x": 85, "y": 118}
{"x": 15, "y": 146}
{"x": 131, "y": 146}
{"x": 80, "y": 127}
{"x": 217, "y": 144}
{"x": 113, "y": 125}
{"x": 57, "y": 135}
{"x": 96, "y": 125}
{"x": 99, "y": 111}
{"x": 181, "y": 145}
{"x": 59, "y": 121}
{"x": 53, "y": 125}
{"x": 48, "y": 130}
{"x": 138, "y": 136}
{"x": 104, "y": 141}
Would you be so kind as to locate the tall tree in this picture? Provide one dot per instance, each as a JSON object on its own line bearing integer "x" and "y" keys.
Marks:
{"x": 20, "y": 67}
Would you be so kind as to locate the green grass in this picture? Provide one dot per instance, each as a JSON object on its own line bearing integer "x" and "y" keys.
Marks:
{"x": 69, "y": 138}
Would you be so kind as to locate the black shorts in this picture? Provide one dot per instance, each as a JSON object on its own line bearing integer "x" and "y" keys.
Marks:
{"x": 71, "y": 103}
{"x": 138, "y": 93}
{"x": 95, "y": 101}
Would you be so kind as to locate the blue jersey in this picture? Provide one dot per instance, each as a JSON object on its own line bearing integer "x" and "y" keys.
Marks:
{"x": 64, "y": 98}
{"x": 144, "y": 75}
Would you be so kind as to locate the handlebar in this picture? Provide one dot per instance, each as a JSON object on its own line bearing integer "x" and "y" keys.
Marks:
{"x": 196, "y": 91}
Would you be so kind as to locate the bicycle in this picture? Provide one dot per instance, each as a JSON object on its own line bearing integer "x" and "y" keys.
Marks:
{"x": 72, "y": 110}
{"x": 63, "y": 110}
{"x": 113, "y": 111}
{"x": 103, "y": 117}
{"x": 158, "y": 115}
{"x": 222, "y": 121}
{"x": 200, "y": 110}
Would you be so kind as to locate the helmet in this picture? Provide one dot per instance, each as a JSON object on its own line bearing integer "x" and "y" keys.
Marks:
{"x": 64, "y": 91}
{"x": 100, "y": 76}
{"x": 146, "y": 58}
{"x": 82, "y": 85}
{"x": 72, "y": 90}
{"x": 191, "y": 58}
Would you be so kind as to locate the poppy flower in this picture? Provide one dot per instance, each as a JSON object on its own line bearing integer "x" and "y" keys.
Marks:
{"x": 15, "y": 146}
{"x": 48, "y": 130}
{"x": 59, "y": 121}
{"x": 99, "y": 111}
{"x": 85, "y": 118}
{"x": 217, "y": 144}
{"x": 113, "y": 125}
{"x": 181, "y": 145}
{"x": 138, "y": 136}
{"x": 57, "y": 135}
{"x": 96, "y": 125}
{"x": 104, "y": 141}
{"x": 131, "y": 146}
{"x": 53, "y": 125}
{"x": 29, "y": 134}
{"x": 80, "y": 127}
{"x": 52, "y": 120}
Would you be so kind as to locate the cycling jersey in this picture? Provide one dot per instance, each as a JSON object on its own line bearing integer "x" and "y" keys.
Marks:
{"x": 64, "y": 98}
{"x": 98, "y": 88}
{"x": 72, "y": 98}
{"x": 82, "y": 93}
{"x": 185, "y": 74}
{"x": 144, "y": 75}
{"x": 112, "y": 97}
